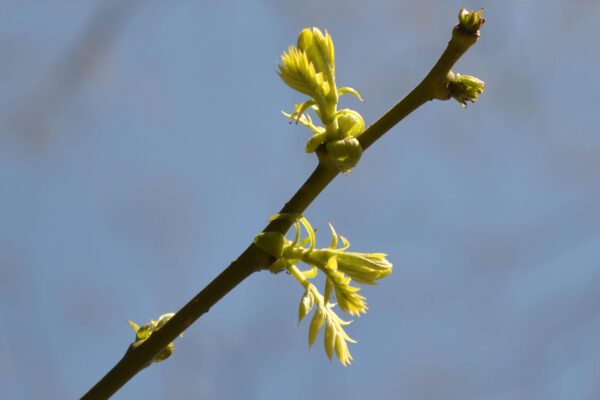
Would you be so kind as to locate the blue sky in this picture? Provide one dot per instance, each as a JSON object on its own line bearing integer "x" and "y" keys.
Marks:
{"x": 142, "y": 147}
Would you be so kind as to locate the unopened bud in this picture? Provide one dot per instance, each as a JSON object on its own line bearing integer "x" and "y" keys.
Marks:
{"x": 470, "y": 21}
{"x": 465, "y": 88}
{"x": 344, "y": 153}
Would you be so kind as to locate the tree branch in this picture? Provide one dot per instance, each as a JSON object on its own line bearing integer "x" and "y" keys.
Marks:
{"x": 253, "y": 259}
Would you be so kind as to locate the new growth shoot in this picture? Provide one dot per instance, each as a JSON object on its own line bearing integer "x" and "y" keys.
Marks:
{"x": 340, "y": 268}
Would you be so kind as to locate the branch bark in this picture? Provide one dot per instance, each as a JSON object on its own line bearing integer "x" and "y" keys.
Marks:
{"x": 253, "y": 259}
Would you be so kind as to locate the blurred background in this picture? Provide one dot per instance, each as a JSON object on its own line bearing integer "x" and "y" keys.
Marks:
{"x": 142, "y": 147}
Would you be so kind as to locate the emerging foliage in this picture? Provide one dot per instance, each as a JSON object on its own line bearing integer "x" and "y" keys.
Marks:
{"x": 309, "y": 68}
{"x": 143, "y": 332}
{"x": 339, "y": 266}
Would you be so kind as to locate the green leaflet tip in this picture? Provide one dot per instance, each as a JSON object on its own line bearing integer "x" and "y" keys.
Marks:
{"x": 135, "y": 326}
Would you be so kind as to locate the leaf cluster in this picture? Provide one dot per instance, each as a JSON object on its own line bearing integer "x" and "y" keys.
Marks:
{"x": 340, "y": 268}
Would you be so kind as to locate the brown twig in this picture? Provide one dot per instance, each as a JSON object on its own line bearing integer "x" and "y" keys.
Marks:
{"x": 253, "y": 259}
